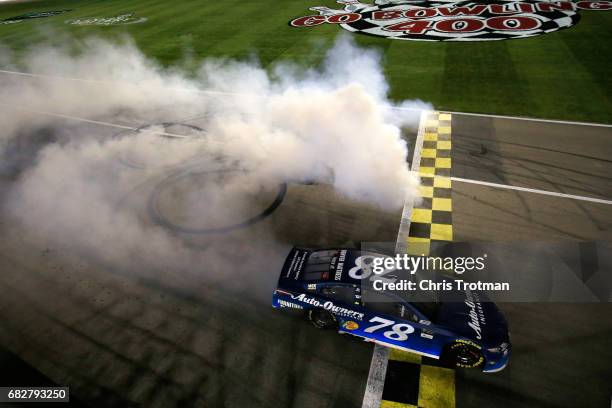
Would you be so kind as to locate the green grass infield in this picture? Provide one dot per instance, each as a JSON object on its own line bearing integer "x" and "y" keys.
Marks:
{"x": 561, "y": 75}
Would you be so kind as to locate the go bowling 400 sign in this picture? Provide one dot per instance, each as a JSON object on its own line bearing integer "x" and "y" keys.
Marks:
{"x": 444, "y": 20}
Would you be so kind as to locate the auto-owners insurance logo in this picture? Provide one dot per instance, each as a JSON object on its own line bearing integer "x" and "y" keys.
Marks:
{"x": 443, "y": 20}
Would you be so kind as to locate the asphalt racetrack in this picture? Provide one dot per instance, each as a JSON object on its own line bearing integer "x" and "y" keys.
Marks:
{"x": 558, "y": 349}
{"x": 157, "y": 338}
{"x": 150, "y": 336}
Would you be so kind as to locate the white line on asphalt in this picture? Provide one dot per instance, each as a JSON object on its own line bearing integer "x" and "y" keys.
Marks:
{"x": 27, "y": 74}
{"x": 380, "y": 355}
{"x": 528, "y": 119}
{"x": 407, "y": 210}
{"x": 94, "y": 122}
{"x": 485, "y": 115}
{"x": 533, "y": 190}
{"x": 376, "y": 377}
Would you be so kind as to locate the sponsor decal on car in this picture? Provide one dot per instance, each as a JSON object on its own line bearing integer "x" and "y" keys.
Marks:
{"x": 350, "y": 325}
{"x": 32, "y": 15}
{"x": 458, "y": 344}
{"x": 398, "y": 332}
{"x": 340, "y": 265}
{"x": 468, "y": 342}
{"x": 297, "y": 262}
{"x": 476, "y": 313}
{"x": 284, "y": 303}
{"x": 450, "y": 20}
{"x": 427, "y": 335}
{"x": 128, "y": 18}
{"x": 329, "y": 306}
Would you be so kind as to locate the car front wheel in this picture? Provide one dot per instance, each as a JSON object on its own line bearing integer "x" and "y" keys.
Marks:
{"x": 322, "y": 319}
{"x": 464, "y": 354}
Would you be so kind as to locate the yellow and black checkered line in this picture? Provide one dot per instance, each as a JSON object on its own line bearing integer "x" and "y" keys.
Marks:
{"x": 412, "y": 380}
{"x": 431, "y": 220}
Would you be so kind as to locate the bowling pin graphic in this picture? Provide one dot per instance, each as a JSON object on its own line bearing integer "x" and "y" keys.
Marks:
{"x": 326, "y": 11}
{"x": 385, "y": 2}
{"x": 353, "y": 5}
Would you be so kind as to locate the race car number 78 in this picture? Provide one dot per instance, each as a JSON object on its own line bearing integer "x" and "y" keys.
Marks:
{"x": 399, "y": 331}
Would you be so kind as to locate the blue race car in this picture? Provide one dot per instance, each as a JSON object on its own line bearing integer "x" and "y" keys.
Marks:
{"x": 330, "y": 288}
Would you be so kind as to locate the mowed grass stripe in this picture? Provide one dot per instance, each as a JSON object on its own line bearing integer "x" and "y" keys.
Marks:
{"x": 201, "y": 29}
{"x": 250, "y": 24}
{"x": 372, "y": 42}
{"x": 311, "y": 49}
{"x": 142, "y": 8}
{"x": 54, "y": 30}
{"x": 29, "y": 32}
{"x": 279, "y": 41}
{"x": 51, "y": 28}
{"x": 593, "y": 38}
{"x": 26, "y": 35}
{"x": 179, "y": 19}
{"x": 309, "y": 45}
{"x": 415, "y": 70}
{"x": 556, "y": 91}
{"x": 482, "y": 77}
{"x": 185, "y": 28}
{"x": 562, "y": 75}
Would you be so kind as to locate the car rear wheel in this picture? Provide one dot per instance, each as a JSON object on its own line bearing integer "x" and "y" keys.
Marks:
{"x": 464, "y": 354}
{"x": 322, "y": 319}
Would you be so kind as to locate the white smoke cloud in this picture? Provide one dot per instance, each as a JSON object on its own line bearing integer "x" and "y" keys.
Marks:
{"x": 330, "y": 125}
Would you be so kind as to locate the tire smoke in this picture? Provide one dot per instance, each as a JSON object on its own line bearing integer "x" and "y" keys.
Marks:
{"x": 69, "y": 180}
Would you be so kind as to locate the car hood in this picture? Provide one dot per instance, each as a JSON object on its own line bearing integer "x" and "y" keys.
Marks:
{"x": 476, "y": 318}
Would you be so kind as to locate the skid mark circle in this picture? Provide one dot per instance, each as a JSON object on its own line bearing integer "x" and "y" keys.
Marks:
{"x": 160, "y": 219}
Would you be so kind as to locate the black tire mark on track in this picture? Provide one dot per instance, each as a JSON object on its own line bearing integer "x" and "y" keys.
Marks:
{"x": 159, "y": 218}
{"x": 518, "y": 215}
{"x": 542, "y": 176}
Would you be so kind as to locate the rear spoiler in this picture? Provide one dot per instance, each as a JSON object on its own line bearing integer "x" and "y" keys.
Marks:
{"x": 294, "y": 264}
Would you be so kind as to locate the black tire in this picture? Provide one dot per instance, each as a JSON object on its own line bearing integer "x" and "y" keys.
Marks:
{"x": 463, "y": 354}
{"x": 322, "y": 319}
